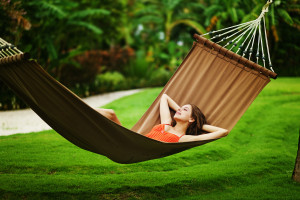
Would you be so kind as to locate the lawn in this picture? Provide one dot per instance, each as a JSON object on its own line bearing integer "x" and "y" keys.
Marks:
{"x": 255, "y": 161}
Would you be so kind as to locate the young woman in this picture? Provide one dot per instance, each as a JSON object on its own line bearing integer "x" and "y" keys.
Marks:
{"x": 187, "y": 126}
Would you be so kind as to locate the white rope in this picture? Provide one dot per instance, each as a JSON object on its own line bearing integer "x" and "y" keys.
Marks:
{"x": 270, "y": 63}
{"x": 228, "y": 37}
{"x": 252, "y": 28}
{"x": 251, "y": 49}
{"x": 254, "y": 21}
{"x": 243, "y": 27}
{"x": 227, "y": 28}
{"x": 247, "y": 32}
{"x": 262, "y": 47}
{"x": 246, "y": 49}
{"x": 8, "y": 49}
{"x": 258, "y": 46}
{"x": 250, "y": 41}
{"x": 240, "y": 37}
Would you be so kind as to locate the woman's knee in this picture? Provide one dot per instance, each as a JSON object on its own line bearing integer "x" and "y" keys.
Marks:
{"x": 113, "y": 116}
{"x": 108, "y": 113}
{"x": 111, "y": 112}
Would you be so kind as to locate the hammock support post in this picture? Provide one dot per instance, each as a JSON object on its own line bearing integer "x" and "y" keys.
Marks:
{"x": 296, "y": 172}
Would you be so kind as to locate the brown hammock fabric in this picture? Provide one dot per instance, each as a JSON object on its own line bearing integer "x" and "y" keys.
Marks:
{"x": 221, "y": 83}
{"x": 218, "y": 81}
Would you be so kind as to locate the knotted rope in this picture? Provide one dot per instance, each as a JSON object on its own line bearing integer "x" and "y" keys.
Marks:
{"x": 235, "y": 34}
{"x": 9, "y": 53}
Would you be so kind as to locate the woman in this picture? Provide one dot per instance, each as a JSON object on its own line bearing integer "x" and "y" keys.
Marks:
{"x": 187, "y": 125}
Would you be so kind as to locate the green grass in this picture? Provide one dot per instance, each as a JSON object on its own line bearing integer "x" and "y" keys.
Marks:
{"x": 255, "y": 161}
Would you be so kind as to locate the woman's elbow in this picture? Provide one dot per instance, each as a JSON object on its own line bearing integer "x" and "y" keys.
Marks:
{"x": 164, "y": 95}
{"x": 225, "y": 132}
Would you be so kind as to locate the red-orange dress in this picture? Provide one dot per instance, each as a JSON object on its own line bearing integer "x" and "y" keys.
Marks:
{"x": 158, "y": 133}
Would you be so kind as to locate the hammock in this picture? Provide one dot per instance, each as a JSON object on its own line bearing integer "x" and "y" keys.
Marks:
{"x": 221, "y": 83}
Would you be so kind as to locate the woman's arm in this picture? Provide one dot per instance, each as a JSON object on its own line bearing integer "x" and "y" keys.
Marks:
{"x": 215, "y": 133}
{"x": 165, "y": 103}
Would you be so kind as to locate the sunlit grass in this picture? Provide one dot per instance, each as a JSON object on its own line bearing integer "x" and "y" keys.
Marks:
{"x": 255, "y": 161}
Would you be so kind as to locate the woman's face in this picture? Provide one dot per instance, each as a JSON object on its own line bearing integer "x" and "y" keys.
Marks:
{"x": 184, "y": 113}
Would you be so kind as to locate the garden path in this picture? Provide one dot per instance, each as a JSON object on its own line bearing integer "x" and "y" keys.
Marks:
{"x": 26, "y": 121}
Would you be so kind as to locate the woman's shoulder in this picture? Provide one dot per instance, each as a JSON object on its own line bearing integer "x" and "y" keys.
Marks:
{"x": 161, "y": 126}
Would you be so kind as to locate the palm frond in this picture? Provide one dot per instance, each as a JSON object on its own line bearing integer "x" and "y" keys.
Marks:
{"x": 198, "y": 27}
{"x": 285, "y": 16}
{"x": 233, "y": 15}
{"x": 196, "y": 6}
{"x": 151, "y": 9}
{"x": 52, "y": 52}
{"x": 86, "y": 25}
{"x": 51, "y": 9}
{"x": 253, "y": 14}
{"x": 89, "y": 12}
{"x": 171, "y": 4}
{"x": 212, "y": 10}
{"x": 150, "y": 19}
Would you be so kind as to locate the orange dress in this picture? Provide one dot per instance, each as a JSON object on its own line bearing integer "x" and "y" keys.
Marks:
{"x": 158, "y": 133}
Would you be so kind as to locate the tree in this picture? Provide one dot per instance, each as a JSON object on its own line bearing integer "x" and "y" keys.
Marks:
{"x": 296, "y": 173}
{"x": 55, "y": 31}
{"x": 164, "y": 16}
{"x": 219, "y": 14}
{"x": 60, "y": 27}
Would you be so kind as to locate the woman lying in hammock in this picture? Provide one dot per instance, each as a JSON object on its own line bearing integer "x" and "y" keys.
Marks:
{"x": 188, "y": 124}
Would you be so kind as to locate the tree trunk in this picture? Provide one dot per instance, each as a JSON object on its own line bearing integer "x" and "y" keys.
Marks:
{"x": 296, "y": 173}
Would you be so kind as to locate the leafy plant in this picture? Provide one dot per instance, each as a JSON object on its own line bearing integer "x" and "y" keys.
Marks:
{"x": 160, "y": 77}
{"x": 139, "y": 68}
{"x": 165, "y": 15}
{"x": 110, "y": 81}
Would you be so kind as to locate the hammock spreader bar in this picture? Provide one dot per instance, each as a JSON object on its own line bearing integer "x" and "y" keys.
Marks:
{"x": 234, "y": 56}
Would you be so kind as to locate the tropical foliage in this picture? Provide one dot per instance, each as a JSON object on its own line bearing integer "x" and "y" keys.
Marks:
{"x": 143, "y": 41}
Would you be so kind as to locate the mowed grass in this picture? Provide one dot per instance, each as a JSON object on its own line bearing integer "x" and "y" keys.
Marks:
{"x": 255, "y": 161}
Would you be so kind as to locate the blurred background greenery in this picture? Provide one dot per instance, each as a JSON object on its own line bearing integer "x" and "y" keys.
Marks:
{"x": 101, "y": 46}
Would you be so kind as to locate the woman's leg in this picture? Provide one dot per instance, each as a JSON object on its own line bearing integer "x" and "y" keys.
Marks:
{"x": 109, "y": 113}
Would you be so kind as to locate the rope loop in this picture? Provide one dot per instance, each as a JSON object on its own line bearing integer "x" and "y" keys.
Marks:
{"x": 242, "y": 37}
{"x": 14, "y": 59}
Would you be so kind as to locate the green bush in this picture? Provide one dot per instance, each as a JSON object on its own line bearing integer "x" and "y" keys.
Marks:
{"x": 139, "y": 67}
{"x": 160, "y": 77}
{"x": 9, "y": 100}
{"x": 109, "y": 81}
{"x": 82, "y": 90}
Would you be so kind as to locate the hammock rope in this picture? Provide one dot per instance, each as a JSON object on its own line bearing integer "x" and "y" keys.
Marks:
{"x": 269, "y": 57}
{"x": 7, "y": 49}
{"x": 243, "y": 32}
{"x": 232, "y": 30}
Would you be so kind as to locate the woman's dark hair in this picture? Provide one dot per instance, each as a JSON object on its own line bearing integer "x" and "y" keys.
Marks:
{"x": 195, "y": 128}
